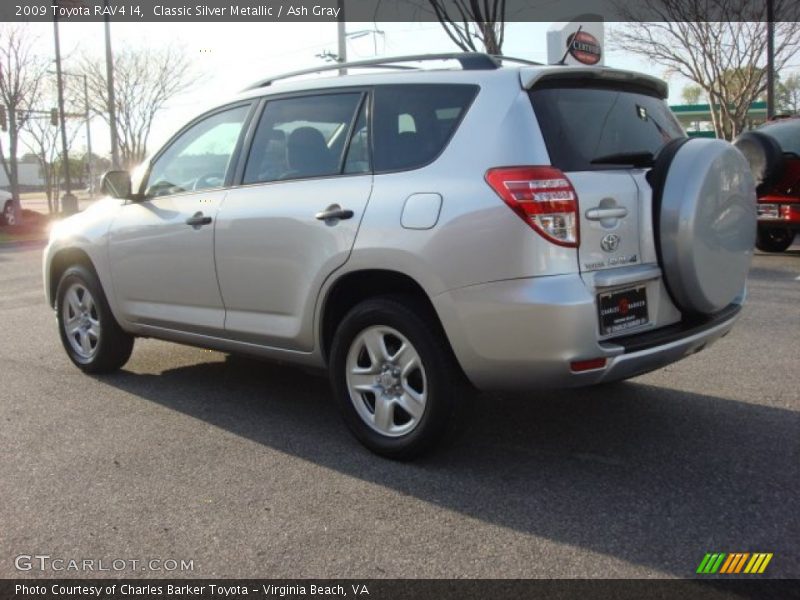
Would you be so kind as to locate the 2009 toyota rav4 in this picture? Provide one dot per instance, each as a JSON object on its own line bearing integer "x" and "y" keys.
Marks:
{"x": 534, "y": 226}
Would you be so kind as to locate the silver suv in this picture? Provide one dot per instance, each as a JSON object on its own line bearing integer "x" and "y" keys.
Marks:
{"x": 417, "y": 231}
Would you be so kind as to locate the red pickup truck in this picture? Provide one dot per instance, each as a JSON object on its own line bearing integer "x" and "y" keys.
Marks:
{"x": 774, "y": 153}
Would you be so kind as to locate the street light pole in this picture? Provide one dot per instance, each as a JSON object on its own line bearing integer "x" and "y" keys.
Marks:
{"x": 770, "y": 59}
{"x": 342, "y": 37}
{"x": 112, "y": 103}
{"x": 69, "y": 203}
{"x": 87, "y": 115}
{"x": 88, "y": 134}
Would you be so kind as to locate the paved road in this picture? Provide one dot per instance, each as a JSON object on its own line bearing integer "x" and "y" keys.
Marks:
{"x": 245, "y": 469}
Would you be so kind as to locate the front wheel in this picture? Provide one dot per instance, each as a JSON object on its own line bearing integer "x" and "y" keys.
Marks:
{"x": 774, "y": 239}
{"x": 93, "y": 339}
{"x": 395, "y": 377}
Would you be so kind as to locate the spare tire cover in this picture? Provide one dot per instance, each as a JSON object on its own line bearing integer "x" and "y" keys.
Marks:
{"x": 706, "y": 224}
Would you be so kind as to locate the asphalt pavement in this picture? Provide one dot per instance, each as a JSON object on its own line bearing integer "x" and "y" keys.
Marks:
{"x": 244, "y": 468}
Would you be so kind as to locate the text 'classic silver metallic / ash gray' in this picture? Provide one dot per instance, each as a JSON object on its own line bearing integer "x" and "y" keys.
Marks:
{"x": 419, "y": 233}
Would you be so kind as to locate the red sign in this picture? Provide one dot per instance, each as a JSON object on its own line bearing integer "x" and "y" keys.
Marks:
{"x": 585, "y": 48}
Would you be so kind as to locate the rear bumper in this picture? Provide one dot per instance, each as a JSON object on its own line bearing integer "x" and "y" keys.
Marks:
{"x": 783, "y": 214}
{"x": 523, "y": 334}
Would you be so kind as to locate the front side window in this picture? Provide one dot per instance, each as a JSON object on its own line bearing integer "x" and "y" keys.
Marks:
{"x": 304, "y": 137}
{"x": 199, "y": 158}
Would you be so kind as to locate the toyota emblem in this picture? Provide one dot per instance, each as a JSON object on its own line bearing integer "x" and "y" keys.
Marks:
{"x": 610, "y": 243}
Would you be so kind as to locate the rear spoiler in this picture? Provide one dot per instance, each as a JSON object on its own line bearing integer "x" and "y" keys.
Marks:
{"x": 530, "y": 76}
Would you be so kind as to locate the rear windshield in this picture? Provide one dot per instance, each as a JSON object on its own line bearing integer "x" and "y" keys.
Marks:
{"x": 787, "y": 134}
{"x": 581, "y": 124}
{"x": 413, "y": 123}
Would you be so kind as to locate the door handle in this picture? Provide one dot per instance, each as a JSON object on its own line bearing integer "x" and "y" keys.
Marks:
{"x": 598, "y": 214}
{"x": 197, "y": 220}
{"x": 334, "y": 212}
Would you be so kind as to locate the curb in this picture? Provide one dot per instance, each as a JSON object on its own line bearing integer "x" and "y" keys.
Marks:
{"x": 39, "y": 242}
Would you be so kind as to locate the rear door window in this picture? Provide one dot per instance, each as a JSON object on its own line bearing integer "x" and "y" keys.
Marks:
{"x": 413, "y": 123}
{"x": 303, "y": 137}
{"x": 581, "y": 124}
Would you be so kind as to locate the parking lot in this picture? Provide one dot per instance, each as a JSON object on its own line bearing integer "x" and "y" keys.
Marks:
{"x": 245, "y": 469}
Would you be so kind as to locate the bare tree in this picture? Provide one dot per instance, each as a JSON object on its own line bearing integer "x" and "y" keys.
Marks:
{"x": 473, "y": 23}
{"x": 789, "y": 94}
{"x": 21, "y": 75}
{"x": 145, "y": 80}
{"x": 725, "y": 58}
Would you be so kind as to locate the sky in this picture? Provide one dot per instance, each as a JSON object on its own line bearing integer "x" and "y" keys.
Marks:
{"x": 232, "y": 55}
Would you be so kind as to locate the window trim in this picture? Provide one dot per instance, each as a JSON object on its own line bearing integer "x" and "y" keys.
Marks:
{"x": 263, "y": 103}
{"x": 364, "y": 105}
{"x": 139, "y": 195}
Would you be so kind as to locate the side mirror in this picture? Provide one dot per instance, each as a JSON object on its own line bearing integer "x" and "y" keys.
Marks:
{"x": 117, "y": 184}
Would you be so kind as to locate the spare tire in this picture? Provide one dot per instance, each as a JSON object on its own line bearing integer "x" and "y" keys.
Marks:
{"x": 765, "y": 156}
{"x": 704, "y": 207}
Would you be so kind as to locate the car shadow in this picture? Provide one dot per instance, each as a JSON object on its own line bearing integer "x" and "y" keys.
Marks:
{"x": 650, "y": 475}
{"x": 791, "y": 251}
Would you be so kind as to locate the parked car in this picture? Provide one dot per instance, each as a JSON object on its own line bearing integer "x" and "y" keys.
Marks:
{"x": 774, "y": 150}
{"x": 419, "y": 233}
{"x": 7, "y": 217}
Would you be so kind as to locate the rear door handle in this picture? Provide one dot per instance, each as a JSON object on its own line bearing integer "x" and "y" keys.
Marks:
{"x": 598, "y": 214}
{"x": 197, "y": 220}
{"x": 334, "y": 212}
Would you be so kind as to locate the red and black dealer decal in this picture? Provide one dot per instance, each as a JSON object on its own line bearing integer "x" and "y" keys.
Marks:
{"x": 584, "y": 47}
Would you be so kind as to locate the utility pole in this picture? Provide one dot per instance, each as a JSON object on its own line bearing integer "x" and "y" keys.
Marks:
{"x": 112, "y": 103}
{"x": 88, "y": 134}
{"x": 69, "y": 203}
{"x": 770, "y": 59}
{"x": 342, "y": 37}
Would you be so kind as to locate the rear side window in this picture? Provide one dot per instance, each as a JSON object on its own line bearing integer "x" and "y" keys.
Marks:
{"x": 413, "y": 123}
{"x": 581, "y": 124}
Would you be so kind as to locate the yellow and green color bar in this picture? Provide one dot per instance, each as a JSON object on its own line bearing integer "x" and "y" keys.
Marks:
{"x": 734, "y": 563}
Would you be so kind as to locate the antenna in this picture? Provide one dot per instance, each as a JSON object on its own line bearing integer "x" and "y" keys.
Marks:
{"x": 571, "y": 41}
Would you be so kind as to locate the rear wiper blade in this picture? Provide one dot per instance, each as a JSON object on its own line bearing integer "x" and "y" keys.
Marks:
{"x": 635, "y": 159}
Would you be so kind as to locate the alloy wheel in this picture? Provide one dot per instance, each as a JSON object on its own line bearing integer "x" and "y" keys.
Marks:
{"x": 386, "y": 381}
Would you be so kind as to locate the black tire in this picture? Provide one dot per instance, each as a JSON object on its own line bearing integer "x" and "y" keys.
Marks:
{"x": 112, "y": 346}
{"x": 445, "y": 387}
{"x": 765, "y": 156}
{"x": 774, "y": 239}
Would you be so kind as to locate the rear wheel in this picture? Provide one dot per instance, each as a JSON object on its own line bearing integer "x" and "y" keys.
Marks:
{"x": 93, "y": 339}
{"x": 394, "y": 377}
{"x": 774, "y": 239}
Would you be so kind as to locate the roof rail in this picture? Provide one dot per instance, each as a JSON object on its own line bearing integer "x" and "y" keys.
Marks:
{"x": 470, "y": 61}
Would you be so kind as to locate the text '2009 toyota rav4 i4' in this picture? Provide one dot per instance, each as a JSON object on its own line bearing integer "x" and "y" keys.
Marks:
{"x": 414, "y": 231}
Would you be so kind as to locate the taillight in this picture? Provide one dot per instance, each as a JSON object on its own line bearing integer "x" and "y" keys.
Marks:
{"x": 543, "y": 197}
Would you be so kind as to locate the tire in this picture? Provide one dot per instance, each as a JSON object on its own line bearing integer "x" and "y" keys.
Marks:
{"x": 765, "y": 156}
{"x": 91, "y": 336}
{"x": 774, "y": 239}
{"x": 424, "y": 378}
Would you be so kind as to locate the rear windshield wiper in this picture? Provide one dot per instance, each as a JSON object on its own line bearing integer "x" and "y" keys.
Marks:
{"x": 635, "y": 159}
